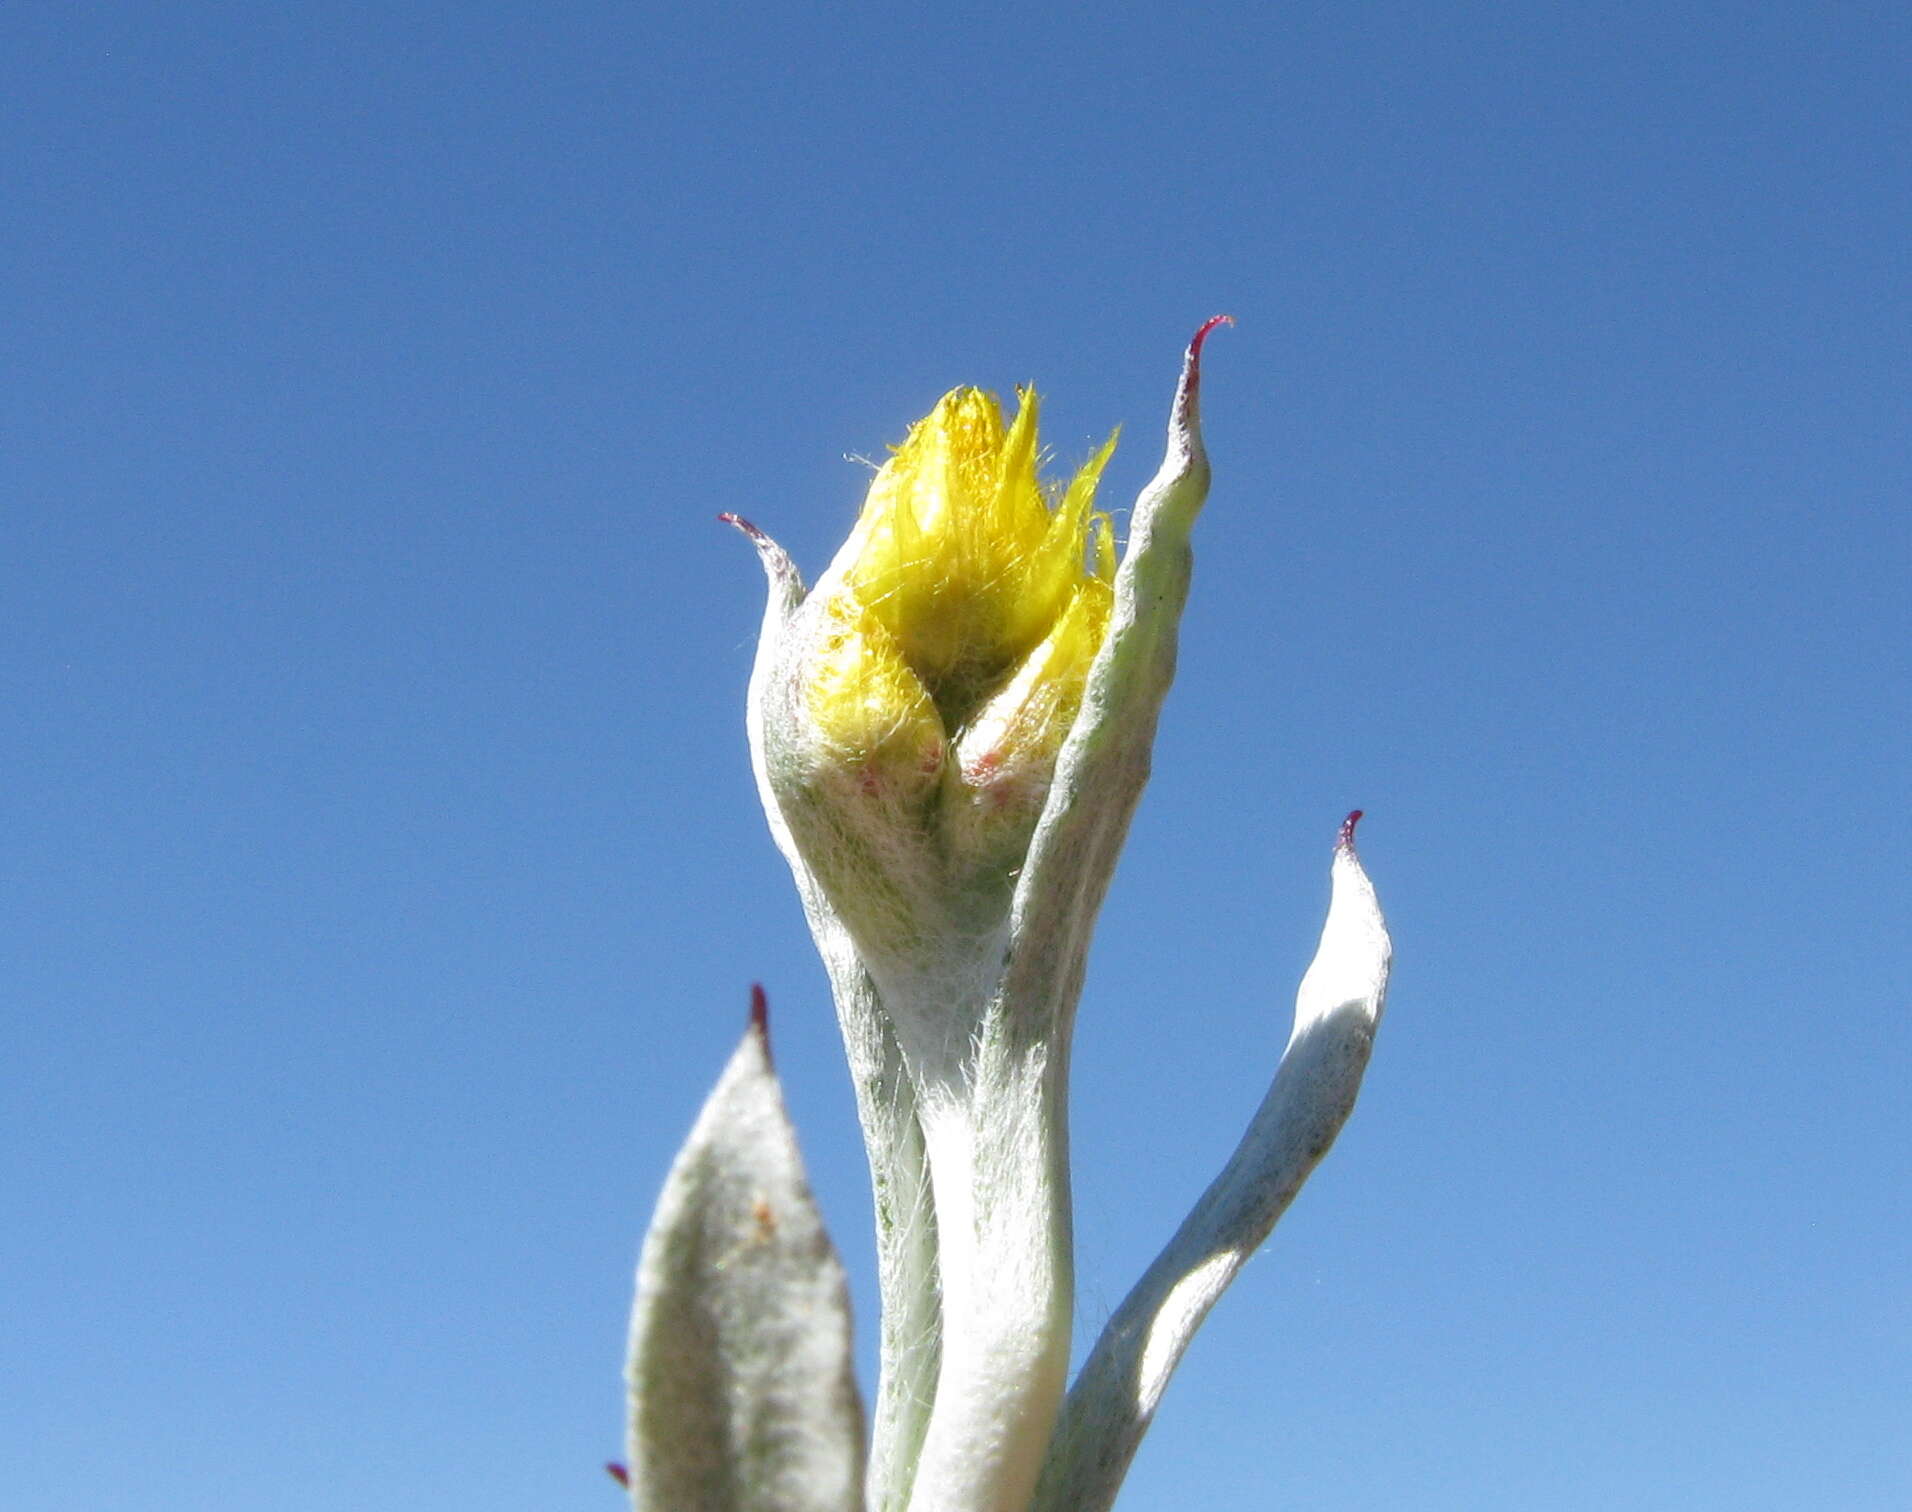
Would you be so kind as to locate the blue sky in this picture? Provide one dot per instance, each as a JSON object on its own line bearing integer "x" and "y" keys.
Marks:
{"x": 383, "y": 881}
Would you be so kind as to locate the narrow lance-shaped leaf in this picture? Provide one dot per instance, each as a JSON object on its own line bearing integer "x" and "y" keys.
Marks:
{"x": 910, "y": 1352}
{"x": 742, "y": 1395}
{"x": 1336, "y": 1013}
{"x": 1104, "y": 764}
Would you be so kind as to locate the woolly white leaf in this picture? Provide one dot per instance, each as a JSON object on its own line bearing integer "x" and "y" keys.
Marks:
{"x": 910, "y": 1331}
{"x": 1105, "y": 762}
{"x": 742, "y": 1397}
{"x": 1337, "y": 1012}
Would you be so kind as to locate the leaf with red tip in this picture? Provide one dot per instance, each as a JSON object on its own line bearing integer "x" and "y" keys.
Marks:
{"x": 1337, "y": 1011}
{"x": 1105, "y": 761}
{"x": 742, "y": 1394}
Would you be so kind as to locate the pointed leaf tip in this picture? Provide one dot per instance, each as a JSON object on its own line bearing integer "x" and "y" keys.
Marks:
{"x": 1346, "y": 839}
{"x": 1195, "y": 346}
{"x": 618, "y": 1473}
{"x": 742, "y": 1395}
{"x": 1187, "y": 391}
{"x": 786, "y": 583}
{"x": 760, "y": 1014}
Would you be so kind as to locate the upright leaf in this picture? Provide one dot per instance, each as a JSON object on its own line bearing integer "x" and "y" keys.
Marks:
{"x": 1337, "y": 1011}
{"x": 742, "y": 1395}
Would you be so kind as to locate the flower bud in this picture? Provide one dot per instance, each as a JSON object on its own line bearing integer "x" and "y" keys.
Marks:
{"x": 958, "y": 552}
{"x": 931, "y": 678}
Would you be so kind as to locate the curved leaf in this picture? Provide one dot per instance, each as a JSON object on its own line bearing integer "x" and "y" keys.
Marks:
{"x": 1337, "y": 1012}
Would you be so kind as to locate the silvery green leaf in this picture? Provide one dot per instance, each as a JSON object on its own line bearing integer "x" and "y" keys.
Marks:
{"x": 1105, "y": 761}
{"x": 742, "y": 1395}
{"x": 910, "y": 1342}
{"x": 1337, "y": 1012}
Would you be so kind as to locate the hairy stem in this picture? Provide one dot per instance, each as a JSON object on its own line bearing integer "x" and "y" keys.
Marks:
{"x": 998, "y": 1157}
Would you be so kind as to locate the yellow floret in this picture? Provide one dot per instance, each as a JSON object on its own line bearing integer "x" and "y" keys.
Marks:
{"x": 960, "y": 557}
{"x": 869, "y": 706}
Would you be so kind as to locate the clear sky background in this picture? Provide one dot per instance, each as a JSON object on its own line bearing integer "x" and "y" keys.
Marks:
{"x": 382, "y": 879}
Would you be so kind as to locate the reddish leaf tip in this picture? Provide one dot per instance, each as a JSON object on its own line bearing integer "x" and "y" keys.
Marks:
{"x": 742, "y": 524}
{"x": 760, "y": 1019}
{"x": 1346, "y": 839}
{"x": 1195, "y": 346}
{"x": 1192, "y": 367}
{"x": 618, "y": 1473}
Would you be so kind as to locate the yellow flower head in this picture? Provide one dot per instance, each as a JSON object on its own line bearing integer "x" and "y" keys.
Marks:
{"x": 961, "y": 569}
